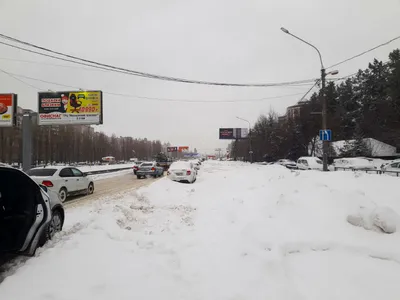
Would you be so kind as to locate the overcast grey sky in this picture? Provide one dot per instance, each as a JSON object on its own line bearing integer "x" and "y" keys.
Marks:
{"x": 213, "y": 40}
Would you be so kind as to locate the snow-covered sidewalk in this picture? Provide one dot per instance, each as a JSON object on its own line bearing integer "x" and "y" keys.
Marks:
{"x": 240, "y": 232}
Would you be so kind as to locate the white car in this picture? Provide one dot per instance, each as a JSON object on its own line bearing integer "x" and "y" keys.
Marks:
{"x": 182, "y": 171}
{"x": 64, "y": 180}
{"x": 309, "y": 163}
{"x": 196, "y": 163}
{"x": 290, "y": 164}
{"x": 355, "y": 163}
{"x": 392, "y": 168}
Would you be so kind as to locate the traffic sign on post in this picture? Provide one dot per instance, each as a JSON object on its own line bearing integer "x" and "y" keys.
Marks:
{"x": 325, "y": 135}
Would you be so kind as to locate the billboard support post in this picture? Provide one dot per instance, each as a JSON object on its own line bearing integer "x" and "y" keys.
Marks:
{"x": 26, "y": 142}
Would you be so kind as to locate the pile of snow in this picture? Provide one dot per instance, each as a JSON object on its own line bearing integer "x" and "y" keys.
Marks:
{"x": 110, "y": 175}
{"x": 381, "y": 219}
{"x": 105, "y": 167}
{"x": 240, "y": 232}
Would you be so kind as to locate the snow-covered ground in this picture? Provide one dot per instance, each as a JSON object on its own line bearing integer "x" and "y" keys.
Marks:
{"x": 240, "y": 232}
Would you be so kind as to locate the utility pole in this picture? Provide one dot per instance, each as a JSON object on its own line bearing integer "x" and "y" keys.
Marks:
{"x": 26, "y": 141}
{"x": 325, "y": 145}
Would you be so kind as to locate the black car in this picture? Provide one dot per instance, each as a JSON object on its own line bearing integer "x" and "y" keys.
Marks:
{"x": 29, "y": 214}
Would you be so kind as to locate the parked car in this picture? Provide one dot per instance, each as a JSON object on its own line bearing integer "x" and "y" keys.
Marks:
{"x": 136, "y": 166}
{"x": 355, "y": 163}
{"x": 153, "y": 169}
{"x": 309, "y": 163}
{"x": 182, "y": 171}
{"x": 30, "y": 214}
{"x": 64, "y": 180}
{"x": 196, "y": 164}
{"x": 290, "y": 164}
{"x": 393, "y": 168}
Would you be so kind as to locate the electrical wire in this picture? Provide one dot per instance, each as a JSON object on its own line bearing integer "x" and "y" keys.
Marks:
{"x": 20, "y": 80}
{"x": 105, "y": 70}
{"x": 155, "y": 98}
{"x": 305, "y": 95}
{"x": 364, "y": 52}
{"x": 133, "y": 72}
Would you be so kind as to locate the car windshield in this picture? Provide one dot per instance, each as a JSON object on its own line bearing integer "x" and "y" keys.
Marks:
{"x": 41, "y": 172}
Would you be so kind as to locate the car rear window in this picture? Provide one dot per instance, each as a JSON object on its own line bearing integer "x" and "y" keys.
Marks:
{"x": 180, "y": 165}
{"x": 41, "y": 172}
{"x": 146, "y": 165}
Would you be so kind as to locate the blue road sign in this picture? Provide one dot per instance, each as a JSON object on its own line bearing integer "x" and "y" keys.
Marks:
{"x": 325, "y": 135}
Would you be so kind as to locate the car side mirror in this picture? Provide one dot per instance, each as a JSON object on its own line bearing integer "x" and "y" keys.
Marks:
{"x": 84, "y": 175}
{"x": 44, "y": 188}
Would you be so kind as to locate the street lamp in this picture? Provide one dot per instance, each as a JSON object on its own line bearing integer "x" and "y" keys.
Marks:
{"x": 325, "y": 146}
{"x": 250, "y": 142}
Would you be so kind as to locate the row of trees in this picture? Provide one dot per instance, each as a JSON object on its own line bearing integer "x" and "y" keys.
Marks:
{"x": 66, "y": 144}
{"x": 366, "y": 105}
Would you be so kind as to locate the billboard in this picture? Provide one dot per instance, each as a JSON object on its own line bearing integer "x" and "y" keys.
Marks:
{"x": 71, "y": 107}
{"x": 8, "y": 110}
{"x": 183, "y": 148}
{"x": 172, "y": 149}
{"x": 233, "y": 133}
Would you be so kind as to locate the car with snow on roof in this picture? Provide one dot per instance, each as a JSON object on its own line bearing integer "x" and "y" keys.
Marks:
{"x": 182, "y": 171}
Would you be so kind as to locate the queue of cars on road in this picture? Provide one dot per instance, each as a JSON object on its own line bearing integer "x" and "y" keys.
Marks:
{"x": 180, "y": 171}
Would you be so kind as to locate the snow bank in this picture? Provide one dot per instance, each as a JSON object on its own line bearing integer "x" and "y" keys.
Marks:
{"x": 105, "y": 167}
{"x": 110, "y": 175}
{"x": 381, "y": 219}
{"x": 240, "y": 232}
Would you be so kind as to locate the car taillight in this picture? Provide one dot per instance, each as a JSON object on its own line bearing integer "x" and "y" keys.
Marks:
{"x": 47, "y": 183}
{"x": 153, "y": 169}
{"x": 188, "y": 172}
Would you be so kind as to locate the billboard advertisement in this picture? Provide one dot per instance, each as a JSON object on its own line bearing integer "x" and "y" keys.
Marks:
{"x": 233, "y": 133}
{"x": 8, "y": 110}
{"x": 172, "y": 149}
{"x": 71, "y": 107}
{"x": 183, "y": 149}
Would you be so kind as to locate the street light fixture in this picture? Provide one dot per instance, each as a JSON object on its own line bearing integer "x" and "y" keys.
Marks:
{"x": 325, "y": 147}
{"x": 250, "y": 142}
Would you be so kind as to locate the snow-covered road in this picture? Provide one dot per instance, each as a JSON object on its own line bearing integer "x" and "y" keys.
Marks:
{"x": 240, "y": 232}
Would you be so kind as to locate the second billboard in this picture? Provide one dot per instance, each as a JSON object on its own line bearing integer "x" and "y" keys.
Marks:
{"x": 71, "y": 107}
{"x": 233, "y": 133}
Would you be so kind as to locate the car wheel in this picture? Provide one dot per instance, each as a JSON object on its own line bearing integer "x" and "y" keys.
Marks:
{"x": 139, "y": 177}
{"x": 63, "y": 194}
{"x": 55, "y": 224}
{"x": 90, "y": 189}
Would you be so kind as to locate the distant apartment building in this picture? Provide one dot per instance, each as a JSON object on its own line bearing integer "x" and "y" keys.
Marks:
{"x": 293, "y": 111}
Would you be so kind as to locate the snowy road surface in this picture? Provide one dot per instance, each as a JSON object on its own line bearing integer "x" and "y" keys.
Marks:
{"x": 109, "y": 186}
{"x": 240, "y": 232}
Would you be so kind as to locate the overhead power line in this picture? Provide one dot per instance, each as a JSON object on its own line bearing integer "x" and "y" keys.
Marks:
{"x": 17, "y": 76}
{"x": 105, "y": 70}
{"x": 92, "y": 63}
{"x": 20, "y": 80}
{"x": 364, "y": 52}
